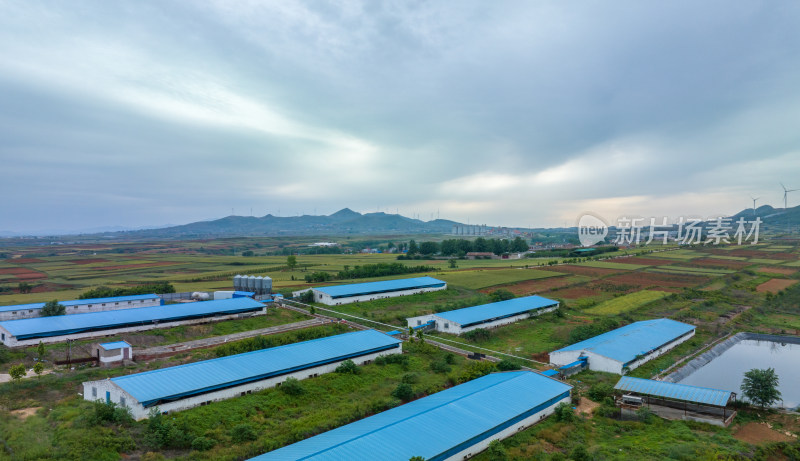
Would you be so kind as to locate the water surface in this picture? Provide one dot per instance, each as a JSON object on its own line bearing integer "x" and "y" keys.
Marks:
{"x": 727, "y": 371}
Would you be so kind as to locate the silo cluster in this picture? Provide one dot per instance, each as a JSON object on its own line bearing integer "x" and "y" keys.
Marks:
{"x": 256, "y": 284}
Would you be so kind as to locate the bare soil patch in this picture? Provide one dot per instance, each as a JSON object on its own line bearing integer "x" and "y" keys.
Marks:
{"x": 88, "y": 261}
{"x": 575, "y": 293}
{"x": 644, "y": 280}
{"x": 644, "y": 261}
{"x": 25, "y": 260}
{"x": 25, "y": 413}
{"x": 528, "y": 287}
{"x": 760, "y": 433}
{"x": 22, "y": 273}
{"x": 583, "y": 270}
{"x": 777, "y": 270}
{"x": 720, "y": 263}
{"x": 586, "y": 406}
{"x": 762, "y": 254}
{"x": 775, "y": 285}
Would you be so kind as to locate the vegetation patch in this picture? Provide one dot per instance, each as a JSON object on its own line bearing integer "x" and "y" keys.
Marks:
{"x": 626, "y": 303}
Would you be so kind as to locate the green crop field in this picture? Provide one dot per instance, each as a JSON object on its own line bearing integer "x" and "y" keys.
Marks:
{"x": 689, "y": 271}
{"x": 679, "y": 254}
{"x": 626, "y": 303}
{"x": 477, "y": 279}
{"x": 612, "y": 265}
{"x": 766, "y": 261}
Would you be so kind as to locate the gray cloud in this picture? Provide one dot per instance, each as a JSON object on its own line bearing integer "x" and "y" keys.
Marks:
{"x": 515, "y": 113}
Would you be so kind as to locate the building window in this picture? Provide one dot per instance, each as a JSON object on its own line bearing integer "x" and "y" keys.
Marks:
{"x": 103, "y": 305}
{"x": 116, "y": 304}
{"x": 75, "y": 307}
{"x": 129, "y": 302}
{"x": 419, "y": 322}
{"x": 3, "y": 336}
{"x": 94, "y": 392}
{"x": 88, "y": 305}
{"x": 446, "y": 326}
{"x": 122, "y": 401}
{"x": 14, "y": 313}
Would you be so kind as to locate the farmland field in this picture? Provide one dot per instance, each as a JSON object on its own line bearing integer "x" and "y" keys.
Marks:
{"x": 626, "y": 303}
{"x": 613, "y": 265}
{"x": 477, "y": 279}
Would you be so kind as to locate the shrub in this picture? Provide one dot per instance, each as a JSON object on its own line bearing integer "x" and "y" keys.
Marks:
{"x": 203, "y": 443}
{"x": 440, "y": 366}
{"x": 579, "y": 453}
{"x": 501, "y": 295}
{"x": 243, "y": 433}
{"x": 507, "y": 365}
{"x": 450, "y": 358}
{"x": 404, "y": 392}
{"x": 496, "y": 451}
{"x": 476, "y": 369}
{"x": 563, "y": 412}
{"x": 292, "y": 387}
{"x": 398, "y": 359}
{"x": 348, "y": 367}
{"x": 410, "y": 378}
{"x": 477, "y": 335}
{"x": 109, "y": 413}
{"x": 600, "y": 391}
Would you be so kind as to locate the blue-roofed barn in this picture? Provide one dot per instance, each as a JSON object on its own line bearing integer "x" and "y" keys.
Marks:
{"x": 626, "y": 348}
{"x": 369, "y": 291}
{"x": 26, "y": 332}
{"x": 486, "y": 315}
{"x": 453, "y": 424}
{"x": 81, "y": 306}
{"x": 194, "y": 384}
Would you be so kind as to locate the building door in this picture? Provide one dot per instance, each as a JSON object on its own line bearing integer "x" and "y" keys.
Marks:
{"x": 108, "y": 397}
{"x": 126, "y": 353}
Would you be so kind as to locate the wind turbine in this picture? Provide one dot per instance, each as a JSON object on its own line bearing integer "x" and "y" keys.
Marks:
{"x": 785, "y": 194}
{"x": 754, "y": 204}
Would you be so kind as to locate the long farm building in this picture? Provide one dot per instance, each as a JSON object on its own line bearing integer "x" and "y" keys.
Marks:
{"x": 369, "y": 291}
{"x": 81, "y": 306}
{"x": 453, "y": 424}
{"x": 621, "y": 350}
{"x": 27, "y": 332}
{"x": 200, "y": 383}
{"x": 486, "y": 315}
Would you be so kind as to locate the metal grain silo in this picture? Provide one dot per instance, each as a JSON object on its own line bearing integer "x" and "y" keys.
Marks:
{"x": 267, "y": 285}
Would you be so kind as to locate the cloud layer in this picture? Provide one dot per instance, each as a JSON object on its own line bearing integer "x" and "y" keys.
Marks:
{"x": 511, "y": 113}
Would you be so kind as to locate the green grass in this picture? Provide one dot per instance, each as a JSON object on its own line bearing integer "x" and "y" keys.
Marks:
{"x": 766, "y": 261}
{"x": 679, "y": 254}
{"x": 626, "y": 303}
{"x": 691, "y": 270}
{"x": 477, "y": 279}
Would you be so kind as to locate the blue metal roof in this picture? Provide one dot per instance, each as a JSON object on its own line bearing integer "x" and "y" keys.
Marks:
{"x": 684, "y": 392}
{"x": 435, "y": 427}
{"x": 79, "y": 302}
{"x": 486, "y": 312}
{"x": 114, "y": 345}
{"x": 550, "y": 372}
{"x": 173, "y": 383}
{"x": 626, "y": 343}
{"x": 40, "y": 327}
{"x": 361, "y": 289}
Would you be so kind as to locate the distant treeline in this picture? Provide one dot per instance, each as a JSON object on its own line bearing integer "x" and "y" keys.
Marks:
{"x": 460, "y": 247}
{"x": 143, "y": 289}
{"x": 564, "y": 253}
{"x": 367, "y": 271}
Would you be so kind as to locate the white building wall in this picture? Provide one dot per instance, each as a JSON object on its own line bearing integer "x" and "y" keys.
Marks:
{"x": 447, "y": 326}
{"x": 139, "y": 412}
{"x": 508, "y": 432}
{"x": 600, "y": 363}
{"x": 11, "y": 341}
{"x": 323, "y": 298}
{"x": 83, "y": 308}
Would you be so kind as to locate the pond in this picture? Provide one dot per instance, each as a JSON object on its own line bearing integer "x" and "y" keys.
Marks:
{"x": 727, "y": 370}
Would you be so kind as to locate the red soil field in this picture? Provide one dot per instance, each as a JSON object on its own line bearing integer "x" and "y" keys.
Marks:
{"x": 135, "y": 266}
{"x": 657, "y": 281}
{"x": 720, "y": 263}
{"x": 574, "y": 293}
{"x": 582, "y": 270}
{"x": 25, "y": 260}
{"x": 775, "y": 285}
{"x": 777, "y": 270}
{"x": 762, "y": 254}
{"x": 644, "y": 261}
{"x": 22, "y": 273}
{"x": 533, "y": 286}
{"x": 88, "y": 261}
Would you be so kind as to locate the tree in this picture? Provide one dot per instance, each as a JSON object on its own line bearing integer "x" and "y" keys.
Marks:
{"x": 38, "y": 368}
{"x": 563, "y": 412}
{"x": 248, "y": 253}
{"x": 420, "y": 336}
{"x": 52, "y": 308}
{"x": 761, "y": 386}
{"x": 291, "y": 261}
{"x": 412, "y": 247}
{"x": 40, "y": 351}
{"x": 17, "y": 371}
{"x": 24, "y": 287}
{"x": 403, "y": 392}
{"x": 429, "y": 248}
{"x": 452, "y": 264}
{"x": 306, "y": 297}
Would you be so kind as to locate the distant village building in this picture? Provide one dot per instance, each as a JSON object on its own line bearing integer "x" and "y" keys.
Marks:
{"x": 481, "y": 255}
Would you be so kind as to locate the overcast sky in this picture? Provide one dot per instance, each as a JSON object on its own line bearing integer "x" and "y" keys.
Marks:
{"x": 137, "y": 113}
